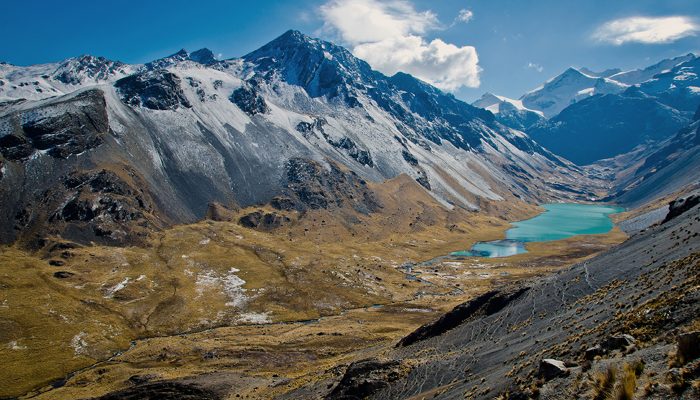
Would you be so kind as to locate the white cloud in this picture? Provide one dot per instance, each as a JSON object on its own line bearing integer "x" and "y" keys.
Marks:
{"x": 389, "y": 35}
{"x": 535, "y": 66}
{"x": 360, "y": 21}
{"x": 444, "y": 65}
{"x": 465, "y": 15}
{"x": 648, "y": 30}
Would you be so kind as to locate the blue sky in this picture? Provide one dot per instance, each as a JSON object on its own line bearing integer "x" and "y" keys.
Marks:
{"x": 519, "y": 44}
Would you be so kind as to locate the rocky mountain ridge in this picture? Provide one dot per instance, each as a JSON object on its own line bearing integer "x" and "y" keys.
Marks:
{"x": 194, "y": 130}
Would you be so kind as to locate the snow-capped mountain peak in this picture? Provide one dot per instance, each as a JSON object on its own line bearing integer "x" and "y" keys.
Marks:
{"x": 570, "y": 86}
{"x": 88, "y": 68}
{"x": 641, "y": 75}
{"x": 497, "y": 104}
{"x": 203, "y": 56}
{"x": 602, "y": 74}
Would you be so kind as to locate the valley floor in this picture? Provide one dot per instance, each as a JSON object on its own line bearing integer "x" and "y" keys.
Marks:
{"x": 241, "y": 312}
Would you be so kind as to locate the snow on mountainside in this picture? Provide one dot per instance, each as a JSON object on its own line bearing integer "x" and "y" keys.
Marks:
{"x": 641, "y": 115}
{"x": 678, "y": 87}
{"x": 640, "y": 75}
{"x": 576, "y": 84}
{"x": 603, "y": 74}
{"x": 563, "y": 90}
{"x": 299, "y": 122}
{"x": 509, "y": 112}
{"x": 497, "y": 104}
{"x": 46, "y": 80}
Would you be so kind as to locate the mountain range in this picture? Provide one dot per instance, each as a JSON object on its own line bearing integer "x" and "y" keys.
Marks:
{"x": 618, "y": 111}
{"x": 299, "y": 122}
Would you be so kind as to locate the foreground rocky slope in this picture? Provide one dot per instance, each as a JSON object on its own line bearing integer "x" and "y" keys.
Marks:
{"x": 501, "y": 342}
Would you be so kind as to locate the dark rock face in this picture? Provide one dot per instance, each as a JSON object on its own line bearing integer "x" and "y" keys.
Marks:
{"x": 314, "y": 187}
{"x": 283, "y": 203}
{"x": 422, "y": 179}
{"x": 101, "y": 197}
{"x": 681, "y": 205}
{"x": 62, "y": 274}
{"x": 248, "y": 100}
{"x": 593, "y": 352}
{"x": 364, "y": 378}
{"x": 263, "y": 221}
{"x": 203, "y": 56}
{"x": 410, "y": 158}
{"x": 157, "y": 90}
{"x": 88, "y": 206}
{"x": 347, "y": 144}
{"x": 486, "y": 304}
{"x": 163, "y": 391}
{"x": 61, "y": 129}
{"x": 689, "y": 345}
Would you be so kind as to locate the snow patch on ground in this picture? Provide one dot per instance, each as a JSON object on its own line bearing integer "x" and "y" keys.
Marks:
{"x": 79, "y": 344}
{"x": 230, "y": 284}
{"x": 254, "y": 318}
{"x": 14, "y": 345}
{"x": 114, "y": 289}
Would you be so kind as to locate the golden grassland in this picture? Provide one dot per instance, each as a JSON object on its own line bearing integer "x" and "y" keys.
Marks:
{"x": 268, "y": 311}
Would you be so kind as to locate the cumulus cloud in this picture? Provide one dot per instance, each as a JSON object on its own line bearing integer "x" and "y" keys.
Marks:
{"x": 389, "y": 35}
{"x": 465, "y": 15}
{"x": 648, "y": 30}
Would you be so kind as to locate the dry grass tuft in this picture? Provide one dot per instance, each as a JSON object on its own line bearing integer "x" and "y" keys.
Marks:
{"x": 603, "y": 383}
{"x": 628, "y": 382}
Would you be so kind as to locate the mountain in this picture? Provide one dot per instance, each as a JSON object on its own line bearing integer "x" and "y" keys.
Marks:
{"x": 605, "y": 126}
{"x": 642, "y": 114}
{"x": 41, "y": 81}
{"x": 678, "y": 87}
{"x": 672, "y": 165}
{"x": 299, "y": 123}
{"x": 576, "y": 84}
{"x": 602, "y": 74}
{"x": 569, "y": 87}
{"x": 641, "y": 75}
{"x": 508, "y": 111}
{"x": 497, "y": 104}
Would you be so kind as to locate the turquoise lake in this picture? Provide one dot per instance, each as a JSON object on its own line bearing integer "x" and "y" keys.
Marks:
{"x": 559, "y": 221}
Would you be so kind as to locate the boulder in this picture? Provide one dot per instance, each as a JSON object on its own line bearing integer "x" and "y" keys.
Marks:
{"x": 551, "y": 368}
{"x": 364, "y": 378}
{"x": 594, "y": 351}
{"x": 689, "y": 345}
{"x": 616, "y": 342}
